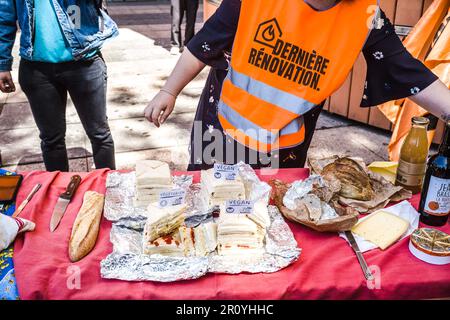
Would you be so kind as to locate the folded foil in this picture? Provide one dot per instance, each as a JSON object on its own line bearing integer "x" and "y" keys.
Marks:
{"x": 299, "y": 189}
{"x": 255, "y": 189}
{"x": 120, "y": 192}
{"x": 127, "y": 262}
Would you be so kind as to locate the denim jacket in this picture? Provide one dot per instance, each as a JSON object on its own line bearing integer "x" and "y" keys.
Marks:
{"x": 85, "y": 25}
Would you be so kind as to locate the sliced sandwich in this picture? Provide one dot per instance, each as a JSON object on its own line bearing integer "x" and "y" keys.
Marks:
{"x": 163, "y": 221}
{"x": 169, "y": 245}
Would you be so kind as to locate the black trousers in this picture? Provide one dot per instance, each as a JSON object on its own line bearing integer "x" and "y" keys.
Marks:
{"x": 177, "y": 10}
{"x": 46, "y": 86}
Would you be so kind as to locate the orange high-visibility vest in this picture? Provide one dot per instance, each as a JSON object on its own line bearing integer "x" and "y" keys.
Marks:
{"x": 288, "y": 58}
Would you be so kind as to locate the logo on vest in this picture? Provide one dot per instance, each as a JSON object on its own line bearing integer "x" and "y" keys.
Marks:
{"x": 284, "y": 59}
{"x": 268, "y": 32}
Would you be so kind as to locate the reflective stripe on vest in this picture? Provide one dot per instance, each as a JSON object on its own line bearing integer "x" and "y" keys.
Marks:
{"x": 245, "y": 125}
{"x": 270, "y": 94}
{"x": 255, "y": 140}
{"x": 286, "y": 59}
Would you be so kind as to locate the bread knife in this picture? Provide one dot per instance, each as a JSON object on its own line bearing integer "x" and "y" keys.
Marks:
{"x": 63, "y": 201}
{"x": 362, "y": 262}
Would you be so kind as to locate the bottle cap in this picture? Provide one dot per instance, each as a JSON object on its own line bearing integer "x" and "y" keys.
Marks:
{"x": 421, "y": 121}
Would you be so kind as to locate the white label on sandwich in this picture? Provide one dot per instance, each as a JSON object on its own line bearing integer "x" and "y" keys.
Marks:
{"x": 239, "y": 207}
{"x": 172, "y": 198}
{"x": 225, "y": 172}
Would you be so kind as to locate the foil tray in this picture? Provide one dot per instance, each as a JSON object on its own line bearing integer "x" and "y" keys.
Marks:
{"x": 127, "y": 262}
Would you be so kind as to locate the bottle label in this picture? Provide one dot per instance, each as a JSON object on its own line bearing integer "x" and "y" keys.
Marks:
{"x": 411, "y": 174}
{"x": 437, "y": 202}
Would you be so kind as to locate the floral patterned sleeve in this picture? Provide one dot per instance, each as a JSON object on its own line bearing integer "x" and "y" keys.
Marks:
{"x": 214, "y": 41}
{"x": 392, "y": 73}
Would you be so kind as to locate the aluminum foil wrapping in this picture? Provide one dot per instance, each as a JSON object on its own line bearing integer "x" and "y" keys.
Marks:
{"x": 134, "y": 267}
{"x": 127, "y": 262}
{"x": 299, "y": 189}
{"x": 255, "y": 189}
{"x": 281, "y": 250}
{"x": 120, "y": 192}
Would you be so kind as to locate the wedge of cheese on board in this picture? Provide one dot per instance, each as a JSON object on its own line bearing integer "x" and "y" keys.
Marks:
{"x": 381, "y": 228}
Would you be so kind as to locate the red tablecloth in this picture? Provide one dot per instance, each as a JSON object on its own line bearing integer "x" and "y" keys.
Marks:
{"x": 327, "y": 268}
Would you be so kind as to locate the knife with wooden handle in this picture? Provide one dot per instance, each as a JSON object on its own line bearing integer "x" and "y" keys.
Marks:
{"x": 362, "y": 262}
{"x": 26, "y": 201}
{"x": 63, "y": 201}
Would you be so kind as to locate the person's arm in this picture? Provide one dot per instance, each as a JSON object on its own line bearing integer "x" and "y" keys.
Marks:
{"x": 8, "y": 29}
{"x": 161, "y": 106}
{"x": 435, "y": 99}
{"x": 206, "y": 48}
{"x": 393, "y": 73}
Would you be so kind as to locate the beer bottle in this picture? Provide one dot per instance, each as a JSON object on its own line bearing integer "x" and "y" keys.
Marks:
{"x": 435, "y": 199}
{"x": 413, "y": 156}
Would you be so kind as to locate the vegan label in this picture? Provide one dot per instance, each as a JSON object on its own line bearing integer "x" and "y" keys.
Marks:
{"x": 239, "y": 207}
{"x": 172, "y": 198}
{"x": 225, "y": 172}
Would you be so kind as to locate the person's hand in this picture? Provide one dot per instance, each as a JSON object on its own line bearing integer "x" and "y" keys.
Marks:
{"x": 160, "y": 108}
{"x": 6, "y": 82}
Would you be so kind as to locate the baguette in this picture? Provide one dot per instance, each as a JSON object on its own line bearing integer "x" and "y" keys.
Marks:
{"x": 86, "y": 226}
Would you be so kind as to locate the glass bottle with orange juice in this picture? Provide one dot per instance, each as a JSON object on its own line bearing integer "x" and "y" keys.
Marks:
{"x": 413, "y": 156}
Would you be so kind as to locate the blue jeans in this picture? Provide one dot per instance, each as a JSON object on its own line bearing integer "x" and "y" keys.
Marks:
{"x": 46, "y": 86}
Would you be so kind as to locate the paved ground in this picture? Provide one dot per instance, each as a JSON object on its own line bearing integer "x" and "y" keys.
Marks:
{"x": 138, "y": 63}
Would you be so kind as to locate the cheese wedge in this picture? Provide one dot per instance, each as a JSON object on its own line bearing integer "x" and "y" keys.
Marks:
{"x": 381, "y": 228}
{"x": 386, "y": 169}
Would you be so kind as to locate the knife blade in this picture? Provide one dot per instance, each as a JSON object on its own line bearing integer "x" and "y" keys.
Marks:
{"x": 63, "y": 202}
{"x": 362, "y": 262}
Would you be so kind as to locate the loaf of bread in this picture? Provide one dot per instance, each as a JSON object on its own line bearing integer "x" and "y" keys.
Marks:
{"x": 86, "y": 226}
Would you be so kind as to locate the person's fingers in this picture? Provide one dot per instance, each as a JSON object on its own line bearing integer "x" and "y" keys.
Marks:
{"x": 148, "y": 113}
{"x": 166, "y": 114}
{"x": 155, "y": 116}
{"x": 11, "y": 85}
{"x": 159, "y": 109}
{"x": 3, "y": 87}
{"x": 7, "y": 85}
